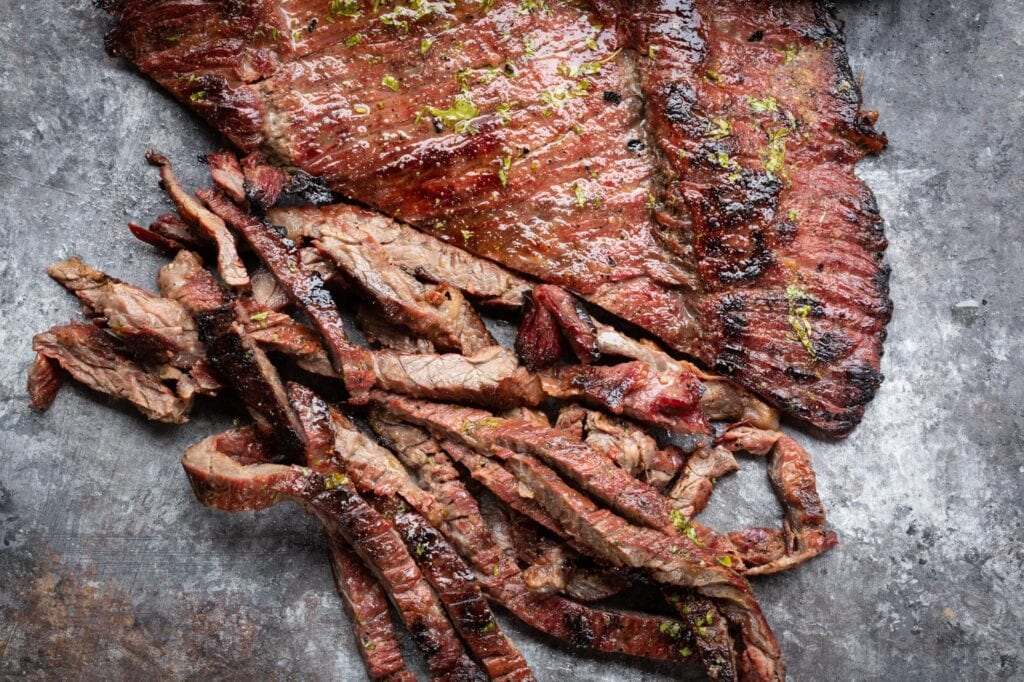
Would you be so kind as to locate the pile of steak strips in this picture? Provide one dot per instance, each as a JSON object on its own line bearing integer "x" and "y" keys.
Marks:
{"x": 599, "y": 172}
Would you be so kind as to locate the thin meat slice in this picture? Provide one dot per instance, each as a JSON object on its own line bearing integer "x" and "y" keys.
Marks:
{"x": 437, "y": 312}
{"x": 305, "y": 288}
{"x": 691, "y": 492}
{"x": 634, "y": 390}
{"x": 281, "y": 333}
{"x": 381, "y": 333}
{"x": 224, "y": 483}
{"x": 89, "y": 355}
{"x": 171, "y": 227}
{"x": 721, "y": 399}
{"x": 488, "y": 435}
{"x": 44, "y": 381}
{"x": 572, "y": 318}
{"x": 670, "y": 560}
{"x": 705, "y": 633}
{"x": 418, "y": 253}
{"x": 185, "y": 280}
{"x": 574, "y": 624}
{"x": 229, "y": 264}
{"x": 367, "y": 607}
{"x": 792, "y": 475}
{"x": 624, "y": 443}
{"x": 262, "y": 182}
{"x": 538, "y": 342}
{"x": 266, "y": 292}
{"x": 454, "y": 583}
{"x": 227, "y": 174}
{"x": 158, "y": 328}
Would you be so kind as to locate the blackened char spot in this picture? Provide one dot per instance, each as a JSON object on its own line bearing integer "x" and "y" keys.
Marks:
{"x": 730, "y": 310}
{"x": 752, "y": 266}
{"x": 679, "y": 101}
{"x": 612, "y": 97}
{"x": 581, "y": 634}
{"x": 866, "y": 379}
{"x": 831, "y": 346}
{"x": 756, "y": 37}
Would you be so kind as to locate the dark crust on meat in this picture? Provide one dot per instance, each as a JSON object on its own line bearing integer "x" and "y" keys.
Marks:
{"x": 538, "y": 341}
{"x": 759, "y": 140}
{"x": 771, "y": 274}
{"x": 44, "y": 381}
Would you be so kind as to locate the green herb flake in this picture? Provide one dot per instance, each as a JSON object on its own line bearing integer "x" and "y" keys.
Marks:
{"x": 591, "y": 44}
{"x": 197, "y": 95}
{"x": 420, "y": 549}
{"x": 581, "y": 195}
{"x": 338, "y": 9}
{"x": 686, "y": 652}
{"x": 713, "y": 76}
{"x": 531, "y": 6}
{"x": 353, "y": 40}
{"x": 762, "y": 105}
{"x": 504, "y": 165}
{"x": 671, "y": 629}
{"x": 793, "y": 215}
{"x": 774, "y": 155}
{"x": 789, "y": 53}
{"x": 800, "y": 303}
{"x": 718, "y": 129}
{"x": 335, "y": 480}
{"x": 390, "y": 82}
{"x": 260, "y": 316}
{"x": 490, "y": 627}
{"x": 425, "y": 45}
{"x": 652, "y": 51}
{"x": 496, "y": 570}
{"x": 528, "y": 47}
{"x": 457, "y": 117}
{"x": 504, "y": 112}
{"x": 725, "y": 560}
{"x": 361, "y": 109}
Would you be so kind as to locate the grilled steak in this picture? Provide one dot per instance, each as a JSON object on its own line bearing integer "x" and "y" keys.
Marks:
{"x": 44, "y": 381}
{"x": 90, "y": 356}
{"x": 746, "y": 240}
{"x": 221, "y": 482}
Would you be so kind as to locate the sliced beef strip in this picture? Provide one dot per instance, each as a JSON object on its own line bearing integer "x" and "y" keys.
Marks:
{"x": 159, "y": 328}
{"x": 381, "y": 333}
{"x": 691, "y": 492}
{"x": 367, "y": 607}
{"x": 437, "y": 312}
{"x": 418, "y": 253}
{"x": 185, "y": 280}
{"x": 451, "y": 578}
{"x": 224, "y": 483}
{"x": 624, "y": 443}
{"x": 227, "y": 174}
{"x": 635, "y": 390}
{"x": 229, "y": 264}
{"x": 266, "y": 291}
{"x": 281, "y": 333}
{"x": 721, "y": 399}
{"x": 539, "y": 342}
{"x": 171, "y": 228}
{"x": 572, "y": 318}
{"x": 577, "y": 625}
{"x": 670, "y": 560}
{"x": 792, "y": 476}
{"x": 705, "y": 632}
{"x": 44, "y": 381}
{"x": 487, "y": 434}
{"x": 306, "y": 289}
{"x": 90, "y": 356}
{"x": 262, "y": 182}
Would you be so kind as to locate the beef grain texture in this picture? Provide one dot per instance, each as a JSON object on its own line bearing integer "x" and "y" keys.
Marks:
{"x": 710, "y": 198}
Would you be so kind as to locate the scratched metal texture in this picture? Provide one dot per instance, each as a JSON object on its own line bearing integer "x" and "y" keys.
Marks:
{"x": 110, "y": 570}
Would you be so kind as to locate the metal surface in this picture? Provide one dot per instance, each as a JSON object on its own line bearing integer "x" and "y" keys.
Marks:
{"x": 110, "y": 569}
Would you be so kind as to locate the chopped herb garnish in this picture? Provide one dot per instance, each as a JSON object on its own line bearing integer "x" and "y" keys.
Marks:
{"x": 581, "y": 196}
{"x": 762, "y": 105}
{"x": 671, "y": 629}
{"x": 390, "y": 82}
{"x": 686, "y": 652}
{"x": 260, "y": 316}
{"x": 425, "y": 45}
{"x": 197, "y": 95}
{"x": 490, "y": 627}
{"x": 457, "y": 117}
{"x": 725, "y": 560}
{"x": 530, "y": 6}
{"x": 353, "y": 40}
{"x": 789, "y": 53}
{"x": 713, "y": 76}
{"x": 718, "y": 129}
{"x": 504, "y": 112}
{"x": 361, "y": 109}
{"x": 528, "y": 46}
{"x": 774, "y": 155}
{"x": 344, "y": 8}
{"x": 652, "y": 51}
{"x": 335, "y": 480}
{"x": 504, "y": 165}
{"x": 800, "y": 304}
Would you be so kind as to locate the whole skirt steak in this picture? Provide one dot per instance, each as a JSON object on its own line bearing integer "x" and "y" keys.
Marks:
{"x": 685, "y": 165}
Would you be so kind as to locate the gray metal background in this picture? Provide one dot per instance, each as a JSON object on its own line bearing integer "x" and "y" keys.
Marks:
{"x": 109, "y": 568}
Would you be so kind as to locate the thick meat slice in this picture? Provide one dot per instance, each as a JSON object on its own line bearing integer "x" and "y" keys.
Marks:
{"x": 186, "y": 280}
{"x": 490, "y": 435}
{"x": 438, "y": 312}
{"x": 229, "y": 265}
{"x": 691, "y": 492}
{"x": 155, "y": 327}
{"x": 416, "y": 252}
{"x": 221, "y": 482}
{"x": 380, "y": 333}
{"x": 227, "y": 174}
{"x": 634, "y": 390}
{"x": 91, "y": 358}
{"x": 573, "y": 319}
{"x": 760, "y": 138}
{"x": 539, "y": 341}
{"x": 367, "y": 606}
{"x": 44, "y": 381}
{"x": 538, "y": 155}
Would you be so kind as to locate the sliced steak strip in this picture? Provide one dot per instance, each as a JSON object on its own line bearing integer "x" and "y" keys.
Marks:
{"x": 158, "y": 328}
{"x": 721, "y": 399}
{"x": 574, "y": 321}
{"x": 223, "y": 483}
{"x": 624, "y": 443}
{"x": 91, "y": 358}
{"x": 451, "y": 578}
{"x": 229, "y": 265}
{"x": 227, "y": 174}
{"x": 416, "y": 252}
{"x": 539, "y": 341}
{"x": 495, "y": 565}
{"x": 436, "y": 312}
{"x": 383, "y": 334}
{"x": 281, "y": 333}
{"x": 263, "y": 183}
{"x": 691, "y": 492}
{"x": 486, "y": 433}
{"x": 670, "y": 560}
{"x": 186, "y": 281}
{"x": 635, "y": 390}
{"x": 367, "y": 607}
{"x": 705, "y": 633}
{"x": 305, "y": 288}
{"x": 266, "y": 292}
{"x": 792, "y": 475}
{"x": 44, "y": 381}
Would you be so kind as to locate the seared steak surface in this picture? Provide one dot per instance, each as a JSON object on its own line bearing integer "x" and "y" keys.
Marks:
{"x": 687, "y": 166}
